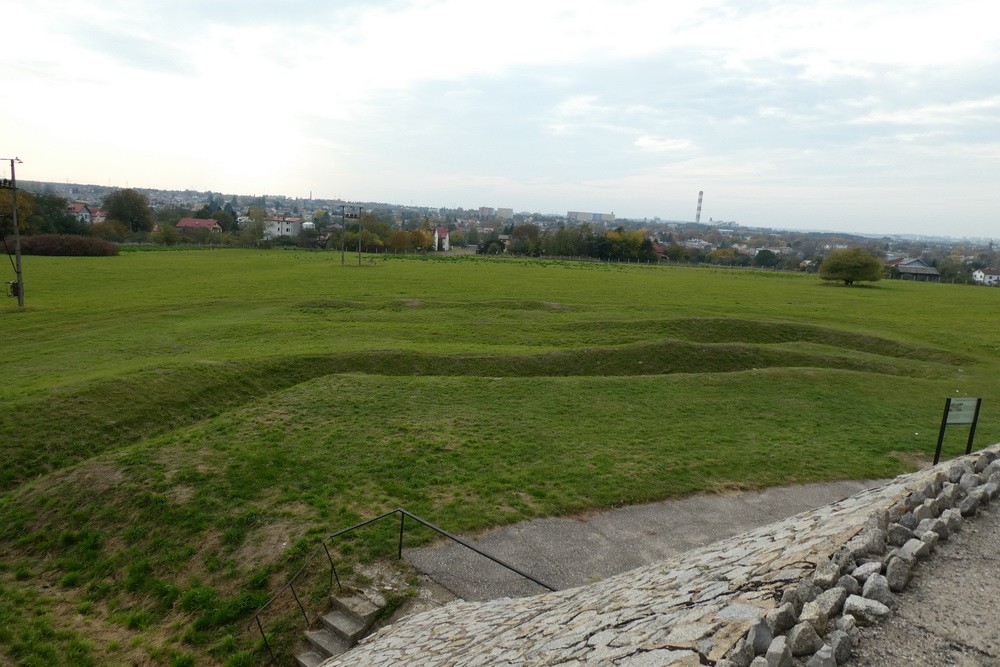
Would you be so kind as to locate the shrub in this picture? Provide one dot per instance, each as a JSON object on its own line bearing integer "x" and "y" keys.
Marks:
{"x": 66, "y": 245}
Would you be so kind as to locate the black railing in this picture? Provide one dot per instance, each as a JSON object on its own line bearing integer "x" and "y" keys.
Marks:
{"x": 289, "y": 586}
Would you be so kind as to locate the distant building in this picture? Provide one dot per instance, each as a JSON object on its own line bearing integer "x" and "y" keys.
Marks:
{"x": 442, "y": 239}
{"x": 199, "y": 223}
{"x": 81, "y": 212}
{"x": 582, "y": 216}
{"x": 486, "y": 212}
{"x": 282, "y": 227}
{"x": 505, "y": 213}
{"x": 915, "y": 269}
{"x": 989, "y": 277}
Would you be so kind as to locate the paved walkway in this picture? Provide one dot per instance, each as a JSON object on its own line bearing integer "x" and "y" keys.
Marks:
{"x": 570, "y": 552}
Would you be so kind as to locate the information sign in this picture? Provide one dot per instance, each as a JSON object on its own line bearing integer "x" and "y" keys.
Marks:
{"x": 959, "y": 411}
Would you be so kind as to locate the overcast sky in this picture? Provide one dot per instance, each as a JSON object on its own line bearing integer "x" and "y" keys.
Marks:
{"x": 864, "y": 115}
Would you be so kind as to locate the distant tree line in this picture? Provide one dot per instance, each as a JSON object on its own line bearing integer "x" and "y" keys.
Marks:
{"x": 530, "y": 240}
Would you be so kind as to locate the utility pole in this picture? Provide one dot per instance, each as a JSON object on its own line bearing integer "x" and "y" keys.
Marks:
{"x": 12, "y": 186}
{"x": 360, "y": 210}
{"x": 343, "y": 233}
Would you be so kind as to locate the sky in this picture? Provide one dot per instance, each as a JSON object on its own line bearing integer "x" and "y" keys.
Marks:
{"x": 851, "y": 115}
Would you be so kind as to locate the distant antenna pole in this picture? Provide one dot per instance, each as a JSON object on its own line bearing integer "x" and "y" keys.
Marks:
{"x": 697, "y": 216}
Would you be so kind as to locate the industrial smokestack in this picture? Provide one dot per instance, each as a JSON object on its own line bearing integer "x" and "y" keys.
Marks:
{"x": 697, "y": 216}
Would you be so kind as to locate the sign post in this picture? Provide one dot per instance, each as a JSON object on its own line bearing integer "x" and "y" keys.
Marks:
{"x": 959, "y": 411}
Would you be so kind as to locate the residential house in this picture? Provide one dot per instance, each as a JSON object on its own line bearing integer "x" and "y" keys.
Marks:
{"x": 442, "y": 239}
{"x": 987, "y": 276}
{"x": 282, "y": 227}
{"x": 915, "y": 269}
{"x": 199, "y": 223}
{"x": 81, "y": 212}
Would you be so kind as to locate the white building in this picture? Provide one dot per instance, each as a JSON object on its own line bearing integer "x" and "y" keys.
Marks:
{"x": 442, "y": 239}
{"x": 282, "y": 227}
{"x": 986, "y": 276}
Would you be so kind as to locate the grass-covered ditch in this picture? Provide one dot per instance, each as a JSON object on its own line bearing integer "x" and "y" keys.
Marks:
{"x": 180, "y": 429}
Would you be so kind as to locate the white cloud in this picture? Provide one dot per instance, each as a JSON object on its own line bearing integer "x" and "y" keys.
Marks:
{"x": 663, "y": 145}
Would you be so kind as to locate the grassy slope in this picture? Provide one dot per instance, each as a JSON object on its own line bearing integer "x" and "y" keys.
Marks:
{"x": 283, "y": 396}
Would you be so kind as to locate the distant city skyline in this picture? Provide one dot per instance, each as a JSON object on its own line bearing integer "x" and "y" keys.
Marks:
{"x": 854, "y": 116}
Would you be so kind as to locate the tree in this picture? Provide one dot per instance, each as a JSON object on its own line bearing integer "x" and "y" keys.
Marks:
{"x": 675, "y": 253}
{"x": 252, "y": 231}
{"x": 49, "y": 216}
{"x": 130, "y": 208}
{"x": 25, "y": 208}
{"x": 850, "y": 265}
{"x": 765, "y": 257}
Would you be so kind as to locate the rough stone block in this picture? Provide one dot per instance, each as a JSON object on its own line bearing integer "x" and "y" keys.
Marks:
{"x": 831, "y": 602}
{"x": 849, "y": 584}
{"x": 915, "y": 499}
{"x": 897, "y": 573}
{"x": 826, "y": 574}
{"x": 778, "y": 653}
{"x": 970, "y": 504}
{"x": 877, "y": 588}
{"x": 992, "y": 489}
{"x": 933, "y": 507}
{"x": 760, "y": 661}
{"x": 955, "y": 473}
{"x": 953, "y": 519}
{"x": 781, "y": 618}
{"x": 822, "y": 658}
{"x": 931, "y": 538}
{"x": 847, "y": 622}
{"x": 909, "y": 520}
{"x": 898, "y": 534}
{"x": 806, "y": 591}
{"x": 814, "y": 616}
{"x": 948, "y": 496}
{"x": 865, "y": 611}
{"x": 862, "y": 572}
{"x": 803, "y": 640}
{"x": 740, "y": 655}
{"x": 936, "y": 525}
{"x": 759, "y": 637}
{"x": 969, "y": 481}
{"x": 841, "y": 644}
{"x": 914, "y": 549}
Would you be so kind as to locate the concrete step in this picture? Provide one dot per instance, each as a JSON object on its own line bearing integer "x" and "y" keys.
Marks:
{"x": 359, "y": 607}
{"x": 347, "y": 626}
{"x": 326, "y": 643}
{"x": 309, "y": 659}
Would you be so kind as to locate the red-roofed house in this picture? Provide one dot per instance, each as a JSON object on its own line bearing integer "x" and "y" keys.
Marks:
{"x": 81, "y": 212}
{"x": 442, "y": 239}
{"x": 199, "y": 223}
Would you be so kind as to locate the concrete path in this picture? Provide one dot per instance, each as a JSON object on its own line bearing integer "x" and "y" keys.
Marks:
{"x": 570, "y": 552}
{"x": 948, "y": 613}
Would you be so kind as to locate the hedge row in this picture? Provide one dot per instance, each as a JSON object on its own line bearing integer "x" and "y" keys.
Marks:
{"x": 65, "y": 245}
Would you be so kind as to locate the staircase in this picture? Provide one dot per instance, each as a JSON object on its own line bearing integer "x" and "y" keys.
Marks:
{"x": 350, "y": 619}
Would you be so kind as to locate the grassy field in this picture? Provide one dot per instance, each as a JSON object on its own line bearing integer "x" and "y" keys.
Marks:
{"x": 178, "y": 429}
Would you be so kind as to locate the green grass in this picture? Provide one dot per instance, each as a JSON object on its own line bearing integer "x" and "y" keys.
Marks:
{"x": 179, "y": 429}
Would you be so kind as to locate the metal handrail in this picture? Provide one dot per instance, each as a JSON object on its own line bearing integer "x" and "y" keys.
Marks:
{"x": 290, "y": 584}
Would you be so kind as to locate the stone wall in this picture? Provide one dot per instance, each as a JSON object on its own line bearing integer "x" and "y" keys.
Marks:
{"x": 797, "y": 587}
